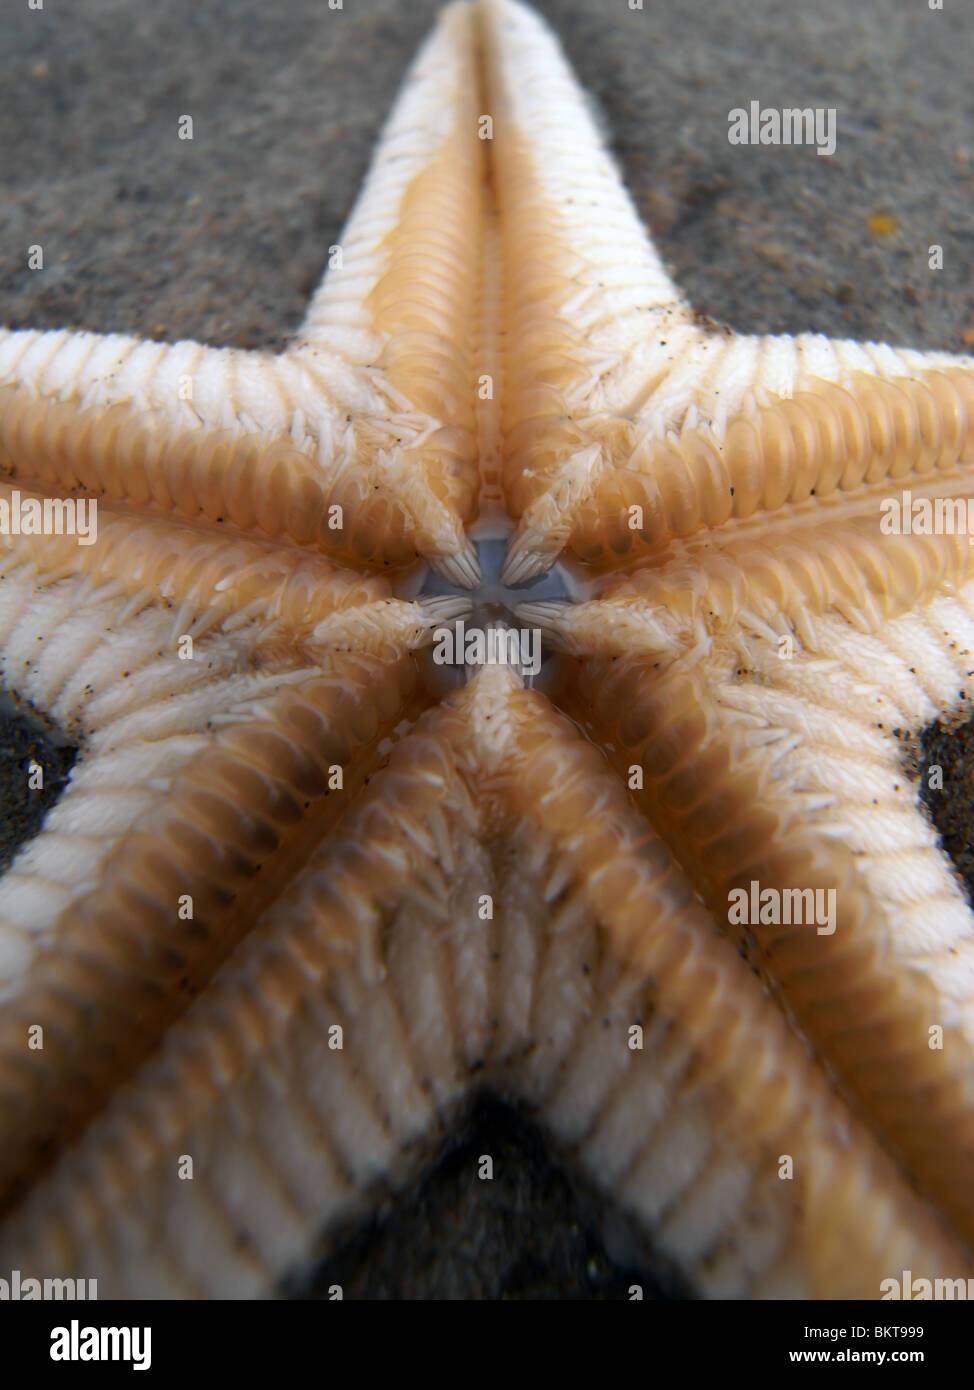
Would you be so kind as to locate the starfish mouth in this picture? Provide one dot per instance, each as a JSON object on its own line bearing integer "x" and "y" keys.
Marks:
{"x": 490, "y": 624}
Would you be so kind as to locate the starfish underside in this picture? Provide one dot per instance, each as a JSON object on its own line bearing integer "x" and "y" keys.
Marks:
{"x": 279, "y": 837}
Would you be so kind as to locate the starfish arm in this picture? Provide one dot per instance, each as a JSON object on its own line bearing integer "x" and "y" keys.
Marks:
{"x": 388, "y": 950}
{"x": 583, "y": 287}
{"x": 212, "y": 435}
{"x": 724, "y": 374}
{"x": 217, "y": 687}
{"x": 718, "y": 1061}
{"x": 402, "y": 304}
{"x": 291, "y": 603}
{"x": 186, "y": 385}
{"x": 409, "y": 249}
{"x": 770, "y": 772}
{"x": 349, "y": 947}
{"x": 303, "y": 447}
{"x": 881, "y": 422}
{"x": 625, "y": 423}
{"x": 773, "y": 580}
{"x": 288, "y": 449}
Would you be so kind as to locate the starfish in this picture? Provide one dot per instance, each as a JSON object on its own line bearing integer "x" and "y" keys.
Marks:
{"x": 303, "y": 896}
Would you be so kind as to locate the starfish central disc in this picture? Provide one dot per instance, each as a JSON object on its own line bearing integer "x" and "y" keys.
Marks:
{"x": 469, "y": 637}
